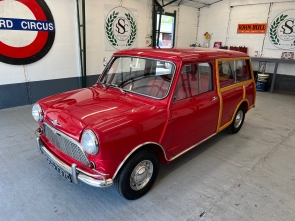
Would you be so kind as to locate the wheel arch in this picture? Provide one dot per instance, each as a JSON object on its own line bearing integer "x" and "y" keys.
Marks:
{"x": 149, "y": 145}
{"x": 245, "y": 104}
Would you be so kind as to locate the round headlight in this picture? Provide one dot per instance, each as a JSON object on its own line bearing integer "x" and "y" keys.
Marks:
{"x": 37, "y": 112}
{"x": 89, "y": 142}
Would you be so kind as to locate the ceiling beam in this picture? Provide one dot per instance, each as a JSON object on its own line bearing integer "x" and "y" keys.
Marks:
{"x": 170, "y": 3}
{"x": 180, "y": 2}
{"x": 163, "y": 4}
{"x": 200, "y": 2}
{"x": 193, "y": 3}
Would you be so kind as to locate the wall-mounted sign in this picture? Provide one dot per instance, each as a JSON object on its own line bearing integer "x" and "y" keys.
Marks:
{"x": 27, "y": 31}
{"x": 252, "y": 28}
{"x": 120, "y": 28}
{"x": 281, "y": 30}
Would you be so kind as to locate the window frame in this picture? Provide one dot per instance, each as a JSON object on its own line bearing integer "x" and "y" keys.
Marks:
{"x": 235, "y": 84}
{"x": 212, "y": 77}
{"x": 113, "y": 59}
{"x": 157, "y": 26}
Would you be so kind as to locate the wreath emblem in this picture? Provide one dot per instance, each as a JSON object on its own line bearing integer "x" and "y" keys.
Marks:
{"x": 273, "y": 29}
{"x": 109, "y": 28}
{"x": 110, "y": 32}
{"x": 133, "y": 30}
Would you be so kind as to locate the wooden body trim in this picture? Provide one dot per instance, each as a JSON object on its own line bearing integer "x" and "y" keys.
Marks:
{"x": 231, "y": 87}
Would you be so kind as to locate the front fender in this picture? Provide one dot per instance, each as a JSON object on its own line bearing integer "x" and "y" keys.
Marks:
{"x": 120, "y": 135}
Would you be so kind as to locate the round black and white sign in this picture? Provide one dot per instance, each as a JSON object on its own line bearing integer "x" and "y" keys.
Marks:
{"x": 120, "y": 28}
{"x": 282, "y": 30}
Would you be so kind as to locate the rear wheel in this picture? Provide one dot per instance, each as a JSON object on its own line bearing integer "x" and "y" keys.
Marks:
{"x": 138, "y": 175}
{"x": 238, "y": 121}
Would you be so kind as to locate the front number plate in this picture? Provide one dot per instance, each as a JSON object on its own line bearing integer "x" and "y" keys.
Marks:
{"x": 63, "y": 173}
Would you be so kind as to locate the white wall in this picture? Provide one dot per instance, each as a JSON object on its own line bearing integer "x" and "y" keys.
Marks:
{"x": 245, "y": 15}
{"x": 214, "y": 19}
{"x": 186, "y": 23}
{"x": 95, "y": 33}
{"x": 62, "y": 61}
{"x": 286, "y": 69}
{"x": 218, "y": 17}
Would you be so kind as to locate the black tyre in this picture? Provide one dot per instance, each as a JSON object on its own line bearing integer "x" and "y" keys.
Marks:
{"x": 238, "y": 121}
{"x": 138, "y": 174}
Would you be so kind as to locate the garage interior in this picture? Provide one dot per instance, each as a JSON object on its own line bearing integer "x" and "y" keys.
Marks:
{"x": 247, "y": 176}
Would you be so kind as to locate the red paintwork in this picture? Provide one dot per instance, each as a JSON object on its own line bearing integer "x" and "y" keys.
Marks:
{"x": 250, "y": 96}
{"x": 181, "y": 54}
{"x": 197, "y": 119}
{"x": 122, "y": 122}
{"x": 230, "y": 99}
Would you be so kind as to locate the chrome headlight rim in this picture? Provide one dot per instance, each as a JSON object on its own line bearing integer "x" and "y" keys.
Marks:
{"x": 37, "y": 112}
{"x": 92, "y": 149}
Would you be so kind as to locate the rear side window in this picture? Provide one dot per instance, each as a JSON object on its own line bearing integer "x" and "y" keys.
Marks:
{"x": 242, "y": 71}
{"x": 232, "y": 72}
{"x": 194, "y": 79}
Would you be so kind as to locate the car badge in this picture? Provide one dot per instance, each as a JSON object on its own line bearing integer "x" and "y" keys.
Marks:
{"x": 55, "y": 123}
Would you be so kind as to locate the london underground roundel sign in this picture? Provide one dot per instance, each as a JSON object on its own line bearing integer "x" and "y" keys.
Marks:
{"x": 27, "y": 31}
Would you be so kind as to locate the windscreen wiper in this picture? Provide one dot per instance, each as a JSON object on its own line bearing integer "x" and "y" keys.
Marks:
{"x": 116, "y": 86}
{"x": 99, "y": 82}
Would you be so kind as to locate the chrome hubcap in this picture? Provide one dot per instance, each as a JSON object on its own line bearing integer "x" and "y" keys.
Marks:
{"x": 141, "y": 175}
{"x": 239, "y": 119}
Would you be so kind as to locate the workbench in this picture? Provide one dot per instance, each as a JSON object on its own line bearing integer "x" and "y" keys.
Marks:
{"x": 276, "y": 61}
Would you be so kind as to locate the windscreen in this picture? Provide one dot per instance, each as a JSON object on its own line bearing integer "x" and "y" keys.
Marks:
{"x": 139, "y": 75}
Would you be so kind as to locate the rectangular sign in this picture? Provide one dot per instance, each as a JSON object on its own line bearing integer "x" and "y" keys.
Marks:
{"x": 252, "y": 28}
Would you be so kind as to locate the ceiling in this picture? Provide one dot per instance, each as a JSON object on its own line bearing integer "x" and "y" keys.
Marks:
{"x": 191, "y": 3}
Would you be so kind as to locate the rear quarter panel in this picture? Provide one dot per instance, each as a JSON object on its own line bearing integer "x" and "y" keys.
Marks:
{"x": 250, "y": 93}
{"x": 231, "y": 99}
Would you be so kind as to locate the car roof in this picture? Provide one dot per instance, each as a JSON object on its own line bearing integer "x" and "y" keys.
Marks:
{"x": 181, "y": 54}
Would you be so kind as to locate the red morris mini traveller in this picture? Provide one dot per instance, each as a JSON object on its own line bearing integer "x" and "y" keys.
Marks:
{"x": 149, "y": 106}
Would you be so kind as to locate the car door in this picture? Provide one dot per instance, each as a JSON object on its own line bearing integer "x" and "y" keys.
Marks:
{"x": 195, "y": 106}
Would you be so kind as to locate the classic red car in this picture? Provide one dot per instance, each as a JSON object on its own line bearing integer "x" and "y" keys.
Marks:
{"x": 149, "y": 106}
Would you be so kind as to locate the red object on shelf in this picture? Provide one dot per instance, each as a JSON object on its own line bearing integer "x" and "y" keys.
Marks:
{"x": 233, "y": 48}
{"x": 243, "y": 49}
{"x": 240, "y": 48}
{"x": 217, "y": 44}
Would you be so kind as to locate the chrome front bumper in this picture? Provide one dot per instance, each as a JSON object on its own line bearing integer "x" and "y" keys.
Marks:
{"x": 96, "y": 180}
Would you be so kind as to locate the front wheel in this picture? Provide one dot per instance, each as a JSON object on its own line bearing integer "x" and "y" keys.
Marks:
{"x": 238, "y": 121}
{"x": 138, "y": 175}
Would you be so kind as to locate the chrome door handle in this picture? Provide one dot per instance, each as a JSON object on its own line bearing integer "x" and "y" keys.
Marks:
{"x": 214, "y": 98}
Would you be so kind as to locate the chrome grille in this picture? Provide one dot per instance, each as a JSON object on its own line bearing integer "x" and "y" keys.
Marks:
{"x": 65, "y": 144}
